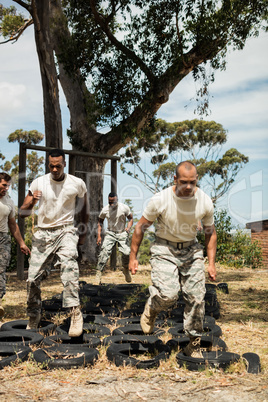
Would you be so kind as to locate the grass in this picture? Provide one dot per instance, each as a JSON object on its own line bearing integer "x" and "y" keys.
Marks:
{"x": 244, "y": 323}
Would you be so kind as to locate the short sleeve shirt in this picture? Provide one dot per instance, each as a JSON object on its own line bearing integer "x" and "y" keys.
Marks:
{"x": 177, "y": 218}
{"x": 7, "y": 211}
{"x": 57, "y": 204}
{"x": 116, "y": 216}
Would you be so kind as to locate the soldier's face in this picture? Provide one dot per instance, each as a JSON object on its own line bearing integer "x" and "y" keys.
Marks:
{"x": 113, "y": 201}
{"x": 56, "y": 167}
{"x": 186, "y": 182}
{"x": 4, "y": 186}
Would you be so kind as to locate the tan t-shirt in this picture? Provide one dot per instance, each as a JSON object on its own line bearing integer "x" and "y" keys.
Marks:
{"x": 7, "y": 211}
{"x": 116, "y": 216}
{"x": 177, "y": 218}
{"x": 57, "y": 204}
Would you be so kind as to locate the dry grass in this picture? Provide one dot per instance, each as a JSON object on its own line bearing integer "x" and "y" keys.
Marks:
{"x": 244, "y": 317}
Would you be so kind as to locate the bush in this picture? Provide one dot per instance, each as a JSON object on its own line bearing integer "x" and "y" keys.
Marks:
{"x": 237, "y": 249}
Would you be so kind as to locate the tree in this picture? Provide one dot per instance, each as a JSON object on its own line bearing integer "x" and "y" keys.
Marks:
{"x": 119, "y": 60}
{"x": 33, "y": 162}
{"x": 196, "y": 140}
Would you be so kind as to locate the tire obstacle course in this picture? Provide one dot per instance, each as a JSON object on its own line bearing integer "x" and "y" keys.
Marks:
{"x": 106, "y": 305}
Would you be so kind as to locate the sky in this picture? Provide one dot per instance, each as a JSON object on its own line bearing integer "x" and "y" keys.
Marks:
{"x": 238, "y": 101}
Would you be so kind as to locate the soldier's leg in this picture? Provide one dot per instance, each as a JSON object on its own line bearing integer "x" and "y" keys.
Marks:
{"x": 5, "y": 252}
{"x": 192, "y": 276}
{"x": 106, "y": 250}
{"x": 42, "y": 255}
{"x": 123, "y": 247}
{"x": 67, "y": 254}
{"x": 165, "y": 287}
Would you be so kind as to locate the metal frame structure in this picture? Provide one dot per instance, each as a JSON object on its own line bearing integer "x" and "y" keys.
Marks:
{"x": 72, "y": 166}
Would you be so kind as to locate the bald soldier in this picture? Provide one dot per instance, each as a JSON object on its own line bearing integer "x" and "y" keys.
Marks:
{"x": 176, "y": 256}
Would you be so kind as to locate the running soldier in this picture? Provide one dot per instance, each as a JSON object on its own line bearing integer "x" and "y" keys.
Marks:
{"x": 117, "y": 232}
{"x": 7, "y": 223}
{"x": 176, "y": 256}
{"x": 56, "y": 239}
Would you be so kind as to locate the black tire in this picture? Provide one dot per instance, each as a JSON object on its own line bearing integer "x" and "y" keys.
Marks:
{"x": 223, "y": 287}
{"x": 207, "y": 342}
{"x": 211, "y": 359}
{"x": 253, "y": 363}
{"x": 10, "y": 354}
{"x": 53, "y": 305}
{"x": 96, "y": 319}
{"x": 81, "y": 357}
{"x": 87, "y": 340}
{"x": 129, "y": 339}
{"x": 132, "y": 312}
{"x": 136, "y": 320}
{"x": 88, "y": 308}
{"x": 122, "y": 354}
{"x": 45, "y": 327}
{"x": 179, "y": 320}
{"x": 97, "y": 330}
{"x": 135, "y": 329}
{"x": 213, "y": 330}
{"x": 213, "y": 312}
{"x": 20, "y": 338}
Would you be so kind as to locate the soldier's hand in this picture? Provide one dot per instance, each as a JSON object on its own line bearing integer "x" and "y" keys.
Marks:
{"x": 98, "y": 240}
{"x": 133, "y": 266}
{"x": 24, "y": 249}
{"x": 212, "y": 272}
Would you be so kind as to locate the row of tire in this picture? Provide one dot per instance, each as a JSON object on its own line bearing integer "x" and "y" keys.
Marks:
{"x": 124, "y": 345}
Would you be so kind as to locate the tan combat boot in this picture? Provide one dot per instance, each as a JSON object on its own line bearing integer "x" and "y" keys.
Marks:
{"x": 128, "y": 277}
{"x": 193, "y": 348}
{"x": 34, "y": 321}
{"x": 148, "y": 318}
{"x": 76, "y": 326}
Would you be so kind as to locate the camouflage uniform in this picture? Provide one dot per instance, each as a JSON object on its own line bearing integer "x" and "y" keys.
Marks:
{"x": 173, "y": 269}
{"x": 53, "y": 247}
{"x": 111, "y": 238}
{"x": 5, "y": 252}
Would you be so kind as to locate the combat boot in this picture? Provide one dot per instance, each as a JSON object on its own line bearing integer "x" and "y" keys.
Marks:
{"x": 2, "y": 310}
{"x": 128, "y": 277}
{"x": 193, "y": 347}
{"x": 34, "y": 321}
{"x": 76, "y": 325}
{"x": 148, "y": 318}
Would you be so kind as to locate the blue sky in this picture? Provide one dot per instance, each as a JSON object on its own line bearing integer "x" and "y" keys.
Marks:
{"x": 239, "y": 101}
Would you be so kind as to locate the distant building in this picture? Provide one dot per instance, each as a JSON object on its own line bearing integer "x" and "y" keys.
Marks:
{"x": 259, "y": 231}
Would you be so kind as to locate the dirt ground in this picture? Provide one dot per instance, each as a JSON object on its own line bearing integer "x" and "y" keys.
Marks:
{"x": 244, "y": 316}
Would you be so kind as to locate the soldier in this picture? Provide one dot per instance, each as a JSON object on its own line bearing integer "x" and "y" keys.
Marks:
{"x": 117, "y": 232}
{"x": 56, "y": 239}
{"x": 7, "y": 222}
{"x": 176, "y": 256}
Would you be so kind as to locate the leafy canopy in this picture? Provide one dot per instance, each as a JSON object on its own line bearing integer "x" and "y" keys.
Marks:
{"x": 196, "y": 140}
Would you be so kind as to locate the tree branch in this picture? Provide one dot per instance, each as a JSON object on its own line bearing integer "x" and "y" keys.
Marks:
{"x": 19, "y": 32}
{"x": 100, "y": 20}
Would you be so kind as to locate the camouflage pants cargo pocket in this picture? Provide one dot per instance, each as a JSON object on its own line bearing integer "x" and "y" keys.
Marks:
{"x": 174, "y": 270}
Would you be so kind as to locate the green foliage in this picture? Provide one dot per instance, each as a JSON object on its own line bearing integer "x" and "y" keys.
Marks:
{"x": 166, "y": 144}
{"x": 130, "y": 49}
{"x": 234, "y": 249}
{"x": 10, "y": 21}
{"x": 33, "y": 162}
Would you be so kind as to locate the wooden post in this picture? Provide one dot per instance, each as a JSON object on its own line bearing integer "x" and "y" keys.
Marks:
{"x": 21, "y": 196}
{"x": 113, "y": 190}
{"x": 72, "y": 164}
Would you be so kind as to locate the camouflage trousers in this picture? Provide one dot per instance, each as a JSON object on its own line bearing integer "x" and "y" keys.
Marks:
{"x": 58, "y": 248}
{"x": 5, "y": 252}
{"x": 174, "y": 270}
{"x": 110, "y": 239}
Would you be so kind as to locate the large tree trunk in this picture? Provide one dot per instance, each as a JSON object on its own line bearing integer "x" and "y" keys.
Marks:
{"x": 91, "y": 171}
{"x": 40, "y": 11}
